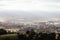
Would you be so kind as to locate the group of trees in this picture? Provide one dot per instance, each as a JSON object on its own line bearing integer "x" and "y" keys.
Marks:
{"x": 2, "y": 31}
{"x": 31, "y": 35}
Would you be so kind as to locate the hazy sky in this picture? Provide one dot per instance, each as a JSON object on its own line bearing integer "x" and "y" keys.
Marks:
{"x": 30, "y": 8}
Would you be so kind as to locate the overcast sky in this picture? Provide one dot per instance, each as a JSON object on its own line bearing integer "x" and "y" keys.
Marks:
{"x": 30, "y": 8}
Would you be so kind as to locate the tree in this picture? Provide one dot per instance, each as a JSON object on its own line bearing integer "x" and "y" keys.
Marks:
{"x": 2, "y": 31}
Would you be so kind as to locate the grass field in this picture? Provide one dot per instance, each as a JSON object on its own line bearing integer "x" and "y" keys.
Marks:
{"x": 8, "y": 37}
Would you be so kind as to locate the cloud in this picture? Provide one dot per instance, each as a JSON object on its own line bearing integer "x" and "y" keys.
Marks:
{"x": 7, "y": 0}
{"x": 7, "y": 5}
{"x": 30, "y": 8}
{"x": 38, "y": 5}
{"x": 49, "y": 1}
{"x": 30, "y": 5}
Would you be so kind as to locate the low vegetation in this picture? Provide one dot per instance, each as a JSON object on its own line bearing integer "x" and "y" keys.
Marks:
{"x": 29, "y": 35}
{"x": 8, "y": 37}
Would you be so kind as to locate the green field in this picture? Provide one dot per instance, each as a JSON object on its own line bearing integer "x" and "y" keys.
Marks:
{"x": 8, "y": 37}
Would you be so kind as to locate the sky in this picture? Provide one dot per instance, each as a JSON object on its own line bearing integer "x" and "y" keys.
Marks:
{"x": 30, "y": 8}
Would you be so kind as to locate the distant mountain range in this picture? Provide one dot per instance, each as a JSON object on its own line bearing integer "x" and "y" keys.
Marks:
{"x": 29, "y": 14}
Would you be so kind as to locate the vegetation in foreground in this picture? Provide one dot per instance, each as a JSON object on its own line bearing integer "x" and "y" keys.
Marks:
{"x": 28, "y": 35}
{"x": 8, "y": 37}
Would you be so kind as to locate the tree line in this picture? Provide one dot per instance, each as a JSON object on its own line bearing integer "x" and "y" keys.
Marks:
{"x": 31, "y": 35}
